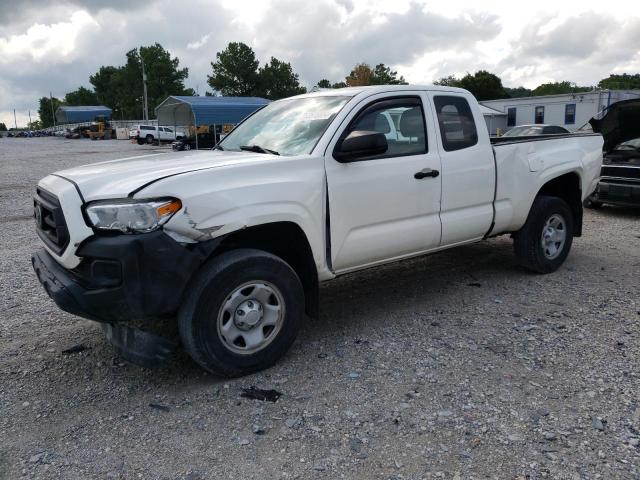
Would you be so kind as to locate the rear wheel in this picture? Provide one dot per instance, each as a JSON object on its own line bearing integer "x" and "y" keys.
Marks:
{"x": 149, "y": 139}
{"x": 241, "y": 313}
{"x": 544, "y": 242}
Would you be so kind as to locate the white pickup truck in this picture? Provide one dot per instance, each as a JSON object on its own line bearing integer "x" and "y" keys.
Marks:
{"x": 150, "y": 133}
{"x": 233, "y": 242}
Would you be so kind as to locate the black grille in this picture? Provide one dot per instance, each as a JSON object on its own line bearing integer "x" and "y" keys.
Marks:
{"x": 50, "y": 223}
{"x": 620, "y": 172}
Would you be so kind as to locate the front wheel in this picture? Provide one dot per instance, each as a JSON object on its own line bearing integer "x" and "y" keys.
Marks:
{"x": 241, "y": 313}
{"x": 187, "y": 146}
{"x": 543, "y": 243}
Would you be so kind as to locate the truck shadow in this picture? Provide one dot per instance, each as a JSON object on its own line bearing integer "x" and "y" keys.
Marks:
{"x": 430, "y": 283}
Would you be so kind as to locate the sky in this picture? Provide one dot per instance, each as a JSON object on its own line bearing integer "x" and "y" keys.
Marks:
{"x": 55, "y": 45}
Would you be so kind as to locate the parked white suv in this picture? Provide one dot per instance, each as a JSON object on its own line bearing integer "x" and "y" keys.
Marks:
{"x": 150, "y": 133}
{"x": 233, "y": 242}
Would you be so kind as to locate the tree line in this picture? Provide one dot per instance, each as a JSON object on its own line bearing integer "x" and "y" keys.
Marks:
{"x": 237, "y": 72}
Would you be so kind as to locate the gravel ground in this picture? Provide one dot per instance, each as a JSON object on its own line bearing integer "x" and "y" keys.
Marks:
{"x": 455, "y": 366}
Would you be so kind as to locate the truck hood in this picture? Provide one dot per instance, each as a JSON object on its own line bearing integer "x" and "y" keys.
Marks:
{"x": 618, "y": 123}
{"x": 120, "y": 178}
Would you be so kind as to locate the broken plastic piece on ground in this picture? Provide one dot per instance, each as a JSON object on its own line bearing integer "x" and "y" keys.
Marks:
{"x": 259, "y": 394}
{"x": 162, "y": 408}
{"x": 75, "y": 349}
{"x": 137, "y": 346}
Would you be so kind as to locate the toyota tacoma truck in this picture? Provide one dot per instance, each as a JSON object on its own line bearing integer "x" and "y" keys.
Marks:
{"x": 233, "y": 242}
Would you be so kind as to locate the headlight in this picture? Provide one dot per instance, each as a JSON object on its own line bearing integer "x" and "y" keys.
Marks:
{"x": 132, "y": 216}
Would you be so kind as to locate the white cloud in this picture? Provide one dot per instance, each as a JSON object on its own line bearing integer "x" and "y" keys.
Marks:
{"x": 199, "y": 43}
{"x": 40, "y": 41}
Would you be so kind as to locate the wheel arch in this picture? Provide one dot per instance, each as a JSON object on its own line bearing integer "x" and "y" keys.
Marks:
{"x": 287, "y": 241}
{"x": 568, "y": 187}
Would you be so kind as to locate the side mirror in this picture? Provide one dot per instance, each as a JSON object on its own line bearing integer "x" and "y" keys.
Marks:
{"x": 360, "y": 144}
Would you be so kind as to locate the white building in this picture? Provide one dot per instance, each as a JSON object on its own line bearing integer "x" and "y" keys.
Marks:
{"x": 570, "y": 110}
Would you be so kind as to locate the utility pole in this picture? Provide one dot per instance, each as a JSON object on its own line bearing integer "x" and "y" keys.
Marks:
{"x": 15, "y": 122}
{"x": 145, "y": 106}
{"x": 53, "y": 114}
{"x": 29, "y": 119}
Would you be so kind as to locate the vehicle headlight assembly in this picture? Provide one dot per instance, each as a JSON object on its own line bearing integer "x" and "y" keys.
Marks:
{"x": 132, "y": 216}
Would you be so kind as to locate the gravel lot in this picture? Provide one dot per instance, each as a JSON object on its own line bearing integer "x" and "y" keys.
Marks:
{"x": 455, "y": 366}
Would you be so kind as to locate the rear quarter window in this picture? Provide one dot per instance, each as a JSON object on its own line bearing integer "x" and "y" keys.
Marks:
{"x": 457, "y": 126}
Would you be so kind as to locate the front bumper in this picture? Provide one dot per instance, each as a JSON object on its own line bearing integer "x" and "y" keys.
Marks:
{"x": 122, "y": 277}
{"x": 618, "y": 192}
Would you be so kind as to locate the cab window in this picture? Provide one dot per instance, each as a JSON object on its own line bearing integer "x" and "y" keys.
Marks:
{"x": 401, "y": 120}
{"x": 457, "y": 127}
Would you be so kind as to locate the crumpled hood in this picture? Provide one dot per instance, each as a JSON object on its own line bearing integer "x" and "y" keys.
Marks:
{"x": 119, "y": 178}
{"x": 619, "y": 123}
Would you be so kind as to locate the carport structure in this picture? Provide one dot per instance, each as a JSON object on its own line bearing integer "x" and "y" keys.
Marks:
{"x": 79, "y": 114}
{"x": 495, "y": 120}
{"x": 213, "y": 111}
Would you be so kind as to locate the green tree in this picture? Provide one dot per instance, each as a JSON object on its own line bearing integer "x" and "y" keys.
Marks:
{"x": 235, "y": 71}
{"x": 45, "y": 110}
{"x": 81, "y": 96}
{"x": 3, "y": 127}
{"x": 623, "y": 81}
{"x": 383, "y": 75}
{"x": 104, "y": 83}
{"x": 120, "y": 88}
{"x": 324, "y": 83}
{"x": 483, "y": 85}
{"x": 277, "y": 80}
{"x": 449, "y": 81}
{"x": 517, "y": 92}
{"x": 556, "y": 88}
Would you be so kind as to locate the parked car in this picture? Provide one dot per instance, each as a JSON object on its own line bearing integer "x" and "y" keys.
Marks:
{"x": 234, "y": 242}
{"x": 205, "y": 141}
{"x": 531, "y": 130}
{"x": 150, "y": 133}
{"x": 620, "y": 180}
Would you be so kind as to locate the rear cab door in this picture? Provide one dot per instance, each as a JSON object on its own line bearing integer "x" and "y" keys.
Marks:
{"x": 468, "y": 167}
{"x": 378, "y": 209}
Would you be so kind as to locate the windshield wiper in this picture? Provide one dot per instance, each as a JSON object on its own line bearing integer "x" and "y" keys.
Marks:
{"x": 258, "y": 149}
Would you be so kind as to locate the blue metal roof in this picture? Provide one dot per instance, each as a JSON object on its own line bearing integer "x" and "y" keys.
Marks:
{"x": 209, "y": 110}
{"x": 77, "y": 114}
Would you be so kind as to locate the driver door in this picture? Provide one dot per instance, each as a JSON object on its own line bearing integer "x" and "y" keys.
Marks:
{"x": 385, "y": 206}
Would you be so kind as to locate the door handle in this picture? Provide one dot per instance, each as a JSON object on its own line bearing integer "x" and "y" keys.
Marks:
{"x": 426, "y": 172}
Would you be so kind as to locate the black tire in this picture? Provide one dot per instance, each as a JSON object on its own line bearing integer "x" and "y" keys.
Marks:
{"x": 149, "y": 139}
{"x": 187, "y": 146}
{"x": 211, "y": 289}
{"x": 139, "y": 141}
{"x": 528, "y": 241}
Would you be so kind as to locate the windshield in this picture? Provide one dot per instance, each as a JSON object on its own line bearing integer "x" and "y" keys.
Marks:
{"x": 523, "y": 131}
{"x": 289, "y": 127}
